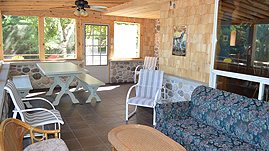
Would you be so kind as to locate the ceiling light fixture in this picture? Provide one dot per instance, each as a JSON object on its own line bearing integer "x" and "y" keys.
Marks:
{"x": 81, "y": 12}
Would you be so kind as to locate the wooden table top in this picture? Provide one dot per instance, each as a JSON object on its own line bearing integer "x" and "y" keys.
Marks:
{"x": 135, "y": 137}
{"x": 60, "y": 68}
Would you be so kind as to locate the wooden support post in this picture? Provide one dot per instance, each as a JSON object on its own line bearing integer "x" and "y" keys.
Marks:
{"x": 79, "y": 39}
{"x": 41, "y": 38}
{"x": 1, "y": 39}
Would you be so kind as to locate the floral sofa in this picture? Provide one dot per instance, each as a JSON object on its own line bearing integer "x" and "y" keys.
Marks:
{"x": 216, "y": 120}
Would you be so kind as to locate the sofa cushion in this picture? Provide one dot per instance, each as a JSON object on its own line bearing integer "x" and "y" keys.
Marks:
{"x": 196, "y": 135}
{"x": 242, "y": 117}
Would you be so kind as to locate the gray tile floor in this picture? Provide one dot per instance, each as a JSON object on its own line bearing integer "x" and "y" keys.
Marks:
{"x": 87, "y": 125}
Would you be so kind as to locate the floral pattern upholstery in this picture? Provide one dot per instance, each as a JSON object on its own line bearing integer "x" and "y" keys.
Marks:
{"x": 216, "y": 120}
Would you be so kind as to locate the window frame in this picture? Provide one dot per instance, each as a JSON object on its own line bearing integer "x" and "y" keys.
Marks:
{"x": 2, "y": 47}
{"x": 107, "y": 45}
{"x": 214, "y": 72}
{"x": 138, "y": 41}
{"x": 41, "y": 38}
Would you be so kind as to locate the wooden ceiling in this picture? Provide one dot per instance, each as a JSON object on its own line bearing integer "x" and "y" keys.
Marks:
{"x": 138, "y": 8}
{"x": 128, "y": 8}
{"x": 6, "y": 5}
{"x": 230, "y": 10}
{"x": 244, "y": 11}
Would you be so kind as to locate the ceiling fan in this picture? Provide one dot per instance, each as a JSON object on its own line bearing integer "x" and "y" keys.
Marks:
{"x": 80, "y": 6}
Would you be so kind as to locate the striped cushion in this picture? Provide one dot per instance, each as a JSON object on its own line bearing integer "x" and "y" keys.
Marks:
{"x": 150, "y": 63}
{"x": 42, "y": 118}
{"x": 149, "y": 82}
{"x": 14, "y": 94}
{"x": 141, "y": 101}
{"x": 11, "y": 88}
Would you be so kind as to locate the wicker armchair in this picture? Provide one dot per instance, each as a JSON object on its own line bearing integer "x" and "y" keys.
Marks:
{"x": 12, "y": 132}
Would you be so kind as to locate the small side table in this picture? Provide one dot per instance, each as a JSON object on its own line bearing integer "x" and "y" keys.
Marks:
{"x": 135, "y": 137}
{"x": 23, "y": 85}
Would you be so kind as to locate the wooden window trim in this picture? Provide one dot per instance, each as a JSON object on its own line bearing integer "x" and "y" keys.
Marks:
{"x": 140, "y": 41}
{"x": 41, "y": 38}
{"x": 1, "y": 39}
{"x": 41, "y": 42}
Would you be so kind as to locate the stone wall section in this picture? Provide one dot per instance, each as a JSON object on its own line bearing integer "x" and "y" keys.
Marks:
{"x": 178, "y": 88}
{"x": 157, "y": 38}
{"x": 123, "y": 71}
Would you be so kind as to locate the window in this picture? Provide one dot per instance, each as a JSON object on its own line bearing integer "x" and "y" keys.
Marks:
{"x": 96, "y": 44}
{"x": 126, "y": 40}
{"x": 241, "y": 53}
{"x": 59, "y": 38}
{"x": 20, "y": 37}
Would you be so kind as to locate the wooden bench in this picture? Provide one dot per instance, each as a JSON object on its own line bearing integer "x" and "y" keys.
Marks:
{"x": 90, "y": 84}
{"x": 23, "y": 85}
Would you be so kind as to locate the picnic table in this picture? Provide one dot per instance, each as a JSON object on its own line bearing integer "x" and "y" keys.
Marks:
{"x": 59, "y": 70}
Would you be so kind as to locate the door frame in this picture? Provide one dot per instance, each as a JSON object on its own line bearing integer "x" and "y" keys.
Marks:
{"x": 108, "y": 47}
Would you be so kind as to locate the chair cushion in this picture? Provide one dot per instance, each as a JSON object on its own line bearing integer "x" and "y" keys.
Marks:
{"x": 150, "y": 63}
{"x": 141, "y": 101}
{"x": 54, "y": 144}
{"x": 43, "y": 117}
{"x": 149, "y": 82}
{"x": 196, "y": 135}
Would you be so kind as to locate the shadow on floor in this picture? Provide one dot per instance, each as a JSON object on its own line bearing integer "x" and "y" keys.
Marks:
{"x": 87, "y": 125}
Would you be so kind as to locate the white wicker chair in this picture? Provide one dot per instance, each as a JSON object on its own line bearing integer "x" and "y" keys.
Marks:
{"x": 34, "y": 116}
{"x": 149, "y": 63}
{"x": 148, "y": 91}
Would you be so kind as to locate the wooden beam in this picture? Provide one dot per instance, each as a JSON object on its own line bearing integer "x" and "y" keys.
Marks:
{"x": 132, "y": 5}
{"x": 257, "y": 4}
{"x": 52, "y": 13}
{"x": 19, "y": 8}
{"x": 50, "y": 4}
{"x": 233, "y": 17}
{"x": 137, "y": 9}
{"x": 41, "y": 38}
{"x": 149, "y": 15}
{"x": 79, "y": 39}
{"x": 238, "y": 13}
{"x": 1, "y": 39}
{"x": 249, "y": 10}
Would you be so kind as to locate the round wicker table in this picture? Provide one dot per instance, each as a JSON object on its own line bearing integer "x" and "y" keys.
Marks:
{"x": 135, "y": 137}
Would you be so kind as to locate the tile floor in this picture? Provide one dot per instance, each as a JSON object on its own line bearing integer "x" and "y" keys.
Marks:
{"x": 87, "y": 125}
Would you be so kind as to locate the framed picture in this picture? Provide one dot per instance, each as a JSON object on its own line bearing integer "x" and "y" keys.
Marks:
{"x": 225, "y": 38}
{"x": 180, "y": 40}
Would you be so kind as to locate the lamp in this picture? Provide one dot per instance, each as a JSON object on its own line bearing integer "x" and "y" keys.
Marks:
{"x": 83, "y": 13}
{"x": 80, "y": 12}
{"x": 76, "y": 12}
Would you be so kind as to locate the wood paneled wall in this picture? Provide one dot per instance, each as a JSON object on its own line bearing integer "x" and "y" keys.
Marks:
{"x": 198, "y": 15}
{"x": 146, "y": 28}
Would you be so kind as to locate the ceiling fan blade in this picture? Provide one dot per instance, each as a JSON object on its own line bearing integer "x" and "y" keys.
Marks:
{"x": 98, "y": 9}
{"x": 63, "y": 7}
{"x": 69, "y": 3}
{"x": 97, "y": 6}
